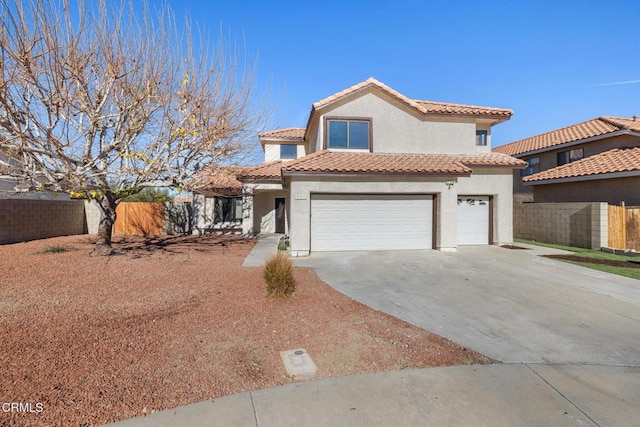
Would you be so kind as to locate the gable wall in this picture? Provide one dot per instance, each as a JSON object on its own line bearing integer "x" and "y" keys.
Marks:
{"x": 395, "y": 130}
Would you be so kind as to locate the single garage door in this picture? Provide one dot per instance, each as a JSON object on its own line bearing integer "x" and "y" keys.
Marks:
{"x": 370, "y": 222}
{"x": 473, "y": 220}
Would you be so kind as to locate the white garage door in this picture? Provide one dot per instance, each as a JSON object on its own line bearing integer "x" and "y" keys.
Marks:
{"x": 473, "y": 220}
{"x": 370, "y": 222}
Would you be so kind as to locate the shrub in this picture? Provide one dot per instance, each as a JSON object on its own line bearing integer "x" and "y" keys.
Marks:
{"x": 278, "y": 272}
{"x": 54, "y": 249}
{"x": 283, "y": 243}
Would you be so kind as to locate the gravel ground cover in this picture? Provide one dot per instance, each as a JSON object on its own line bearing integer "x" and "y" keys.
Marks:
{"x": 87, "y": 340}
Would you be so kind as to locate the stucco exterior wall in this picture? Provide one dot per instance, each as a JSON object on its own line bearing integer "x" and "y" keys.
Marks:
{"x": 271, "y": 152}
{"x": 92, "y": 216}
{"x": 582, "y": 225}
{"x": 264, "y": 210}
{"x": 613, "y": 191}
{"x": 395, "y": 130}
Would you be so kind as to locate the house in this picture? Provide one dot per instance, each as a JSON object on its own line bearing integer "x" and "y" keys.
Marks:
{"x": 594, "y": 161}
{"x": 374, "y": 169}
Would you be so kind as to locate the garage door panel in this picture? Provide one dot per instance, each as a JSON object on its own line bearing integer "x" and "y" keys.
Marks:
{"x": 371, "y": 222}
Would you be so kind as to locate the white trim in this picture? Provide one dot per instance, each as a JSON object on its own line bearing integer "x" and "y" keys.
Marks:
{"x": 584, "y": 178}
{"x": 278, "y": 141}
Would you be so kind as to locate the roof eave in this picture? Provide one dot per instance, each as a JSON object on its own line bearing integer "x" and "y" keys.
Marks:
{"x": 259, "y": 180}
{"x": 495, "y": 118}
{"x": 472, "y": 165}
{"x": 369, "y": 174}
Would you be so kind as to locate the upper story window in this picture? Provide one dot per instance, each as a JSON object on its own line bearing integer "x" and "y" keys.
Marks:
{"x": 481, "y": 137}
{"x": 569, "y": 156}
{"x": 288, "y": 151}
{"x": 533, "y": 166}
{"x": 348, "y": 133}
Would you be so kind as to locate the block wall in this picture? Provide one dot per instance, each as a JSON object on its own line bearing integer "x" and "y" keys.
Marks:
{"x": 22, "y": 220}
{"x": 581, "y": 224}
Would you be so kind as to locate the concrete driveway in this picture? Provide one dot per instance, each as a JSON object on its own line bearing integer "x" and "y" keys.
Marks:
{"x": 511, "y": 305}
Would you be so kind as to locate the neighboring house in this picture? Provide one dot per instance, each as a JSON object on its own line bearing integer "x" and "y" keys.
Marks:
{"x": 12, "y": 188}
{"x": 594, "y": 161}
{"x": 374, "y": 169}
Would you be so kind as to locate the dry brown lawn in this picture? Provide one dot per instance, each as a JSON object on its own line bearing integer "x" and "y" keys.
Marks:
{"x": 172, "y": 321}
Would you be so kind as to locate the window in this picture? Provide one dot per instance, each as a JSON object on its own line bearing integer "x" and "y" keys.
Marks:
{"x": 228, "y": 209}
{"x": 481, "y": 137}
{"x": 569, "y": 156}
{"x": 288, "y": 151}
{"x": 533, "y": 166}
{"x": 350, "y": 134}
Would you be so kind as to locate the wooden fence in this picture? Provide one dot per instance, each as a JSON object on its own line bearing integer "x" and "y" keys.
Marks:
{"x": 624, "y": 227}
{"x": 140, "y": 218}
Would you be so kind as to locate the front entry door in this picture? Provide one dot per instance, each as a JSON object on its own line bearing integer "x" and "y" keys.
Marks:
{"x": 280, "y": 215}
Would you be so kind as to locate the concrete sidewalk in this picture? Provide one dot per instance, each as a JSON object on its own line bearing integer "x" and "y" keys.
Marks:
{"x": 266, "y": 245}
{"x": 476, "y": 395}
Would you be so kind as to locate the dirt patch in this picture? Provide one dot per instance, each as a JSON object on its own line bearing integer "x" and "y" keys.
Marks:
{"x": 514, "y": 247}
{"x": 172, "y": 321}
{"x": 611, "y": 262}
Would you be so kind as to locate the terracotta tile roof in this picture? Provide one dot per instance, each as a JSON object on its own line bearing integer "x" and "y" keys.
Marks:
{"x": 392, "y": 163}
{"x": 434, "y": 107}
{"x": 386, "y": 163}
{"x": 491, "y": 160}
{"x": 219, "y": 179}
{"x": 269, "y": 171}
{"x": 424, "y": 107}
{"x": 612, "y": 161}
{"x": 287, "y": 133}
{"x": 588, "y": 129}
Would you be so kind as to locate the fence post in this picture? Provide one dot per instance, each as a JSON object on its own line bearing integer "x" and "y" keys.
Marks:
{"x": 624, "y": 224}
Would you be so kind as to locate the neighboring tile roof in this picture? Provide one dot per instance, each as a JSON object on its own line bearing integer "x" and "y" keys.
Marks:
{"x": 287, "y": 133}
{"x": 269, "y": 171}
{"x": 220, "y": 179}
{"x": 612, "y": 161}
{"x": 591, "y": 128}
{"x": 424, "y": 107}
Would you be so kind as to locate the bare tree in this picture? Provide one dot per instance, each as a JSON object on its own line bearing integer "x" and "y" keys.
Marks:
{"x": 101, "y": 100}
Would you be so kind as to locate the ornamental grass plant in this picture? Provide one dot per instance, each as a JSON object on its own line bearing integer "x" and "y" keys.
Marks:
{"x": 278, "y": 273}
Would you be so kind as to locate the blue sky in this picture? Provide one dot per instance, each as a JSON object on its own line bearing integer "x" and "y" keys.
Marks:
{"x": 553, "y": 62}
